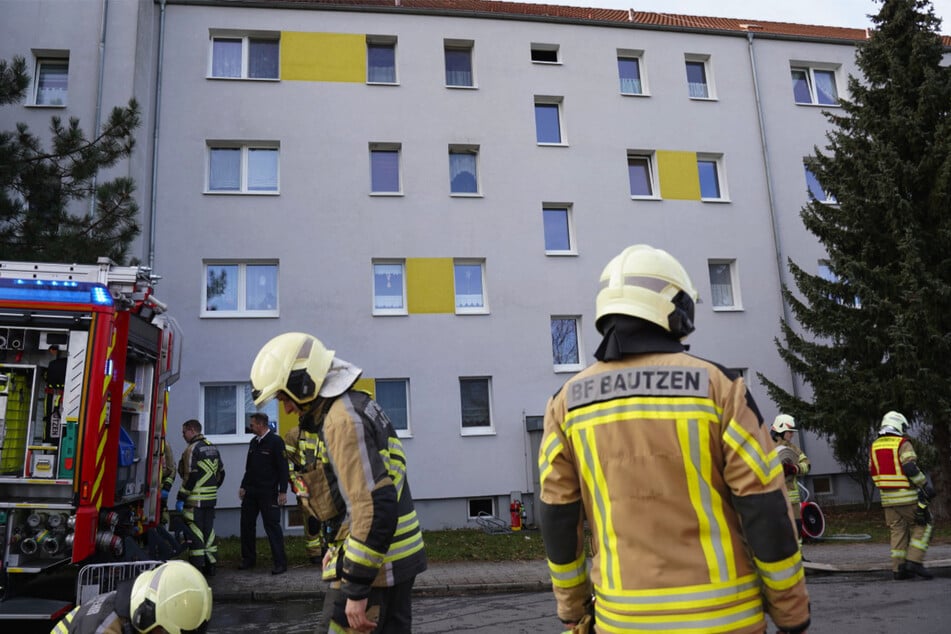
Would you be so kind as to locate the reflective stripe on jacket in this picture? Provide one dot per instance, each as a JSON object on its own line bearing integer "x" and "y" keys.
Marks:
{"x": 886, "y": 458}
{"x": 385, "y": 543}
{"x": 666, "y": 457}
{"x": 202, "y": 472}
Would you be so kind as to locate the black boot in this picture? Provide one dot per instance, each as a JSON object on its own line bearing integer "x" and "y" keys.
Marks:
{"x": 915, "y": 568}
{"x": 902, "y": 573}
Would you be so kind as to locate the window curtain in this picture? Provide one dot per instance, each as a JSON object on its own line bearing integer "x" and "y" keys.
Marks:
{"x": 630, "y": 73}
{"x": 462, "y": 173}
{"x": 226, "y": 58}
{"x": 458, "y": 67}
{"x": 388, "y": 286}
{"x": 263, "y": 59}
{"x": 52, "y": 83}
{"x": 381, "y": 64}
{"x": 262, "y": 169}
{"x": 224, "y": 170}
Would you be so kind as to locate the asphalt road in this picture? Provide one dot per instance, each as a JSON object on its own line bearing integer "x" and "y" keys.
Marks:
{"x": 867, "y": 603}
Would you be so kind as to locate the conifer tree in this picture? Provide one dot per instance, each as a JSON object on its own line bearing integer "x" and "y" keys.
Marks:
{"x": 875, "y": 335}
{"x": 42, "y": 190}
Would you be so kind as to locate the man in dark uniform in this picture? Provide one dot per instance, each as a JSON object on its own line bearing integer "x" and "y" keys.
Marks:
{"x": 263, "y": 490}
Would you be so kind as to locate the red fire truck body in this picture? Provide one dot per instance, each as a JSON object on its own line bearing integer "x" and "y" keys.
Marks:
{"x": 87, "y": 354}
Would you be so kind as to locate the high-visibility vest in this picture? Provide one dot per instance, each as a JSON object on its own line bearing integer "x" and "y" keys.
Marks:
{"x": 887, "y": 474}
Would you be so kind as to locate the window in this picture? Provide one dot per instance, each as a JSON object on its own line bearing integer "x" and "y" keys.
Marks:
{"x": 242, "y": 168}
{"x": 710, "y": 169}
{"x": 814, "y": 86}
{"x": 385, "y": 168}
{"x": 459, "y": 63}
{"x": 557, "y": 223}
{"x": 564, "y": 344}
{"x": 475, "y": 396}
{"x": 381, "y": 59}
{"x": 469, "y": 282}
{"x": 825, "y": 272}
{"x": 629, "y": 72}
{"x": 479, "y": 507}
{"x": 699, "y": 80}
{"x": 463, "y": 177}
{"x": 724, "y": 286}
{"x": 815, "y": 188}
{"x": 393, "y": 396}
{"x": 245, "y": 57}
{"x": 227, "y": 409}
{"x": 240, "y": 290}
{"x": 640, "y": 174}
{"x": 51, "y": 81}
{"x": 548, "y": 120}
{"x": 545, "y": 53}
{"x": 389, "y": 287}
{"x": 821, "y": 485}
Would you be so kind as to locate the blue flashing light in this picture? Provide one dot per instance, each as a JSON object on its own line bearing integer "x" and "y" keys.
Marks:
{"x": 54, "y": 291}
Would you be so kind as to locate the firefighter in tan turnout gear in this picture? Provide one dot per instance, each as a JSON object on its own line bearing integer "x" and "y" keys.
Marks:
{"x": 666, "y": 458}
{"x": 794, "y": 461}
{"x": 905, "y": 494}
{"x": 364, "y": 476}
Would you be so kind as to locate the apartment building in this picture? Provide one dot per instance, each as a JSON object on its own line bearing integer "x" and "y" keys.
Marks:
{"x": 432, "y": 188}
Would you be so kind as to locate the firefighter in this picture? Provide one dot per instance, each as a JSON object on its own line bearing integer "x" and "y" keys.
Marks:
{"x": 173, "y": 598}
{"x": 905, "y": 494}
{"x": 301, "y": 449}
{"x": 794, "y": 461}
{"x": 202, "y": 472}
{"x": 365, "y": 475}
{"x": 665, "y": 456}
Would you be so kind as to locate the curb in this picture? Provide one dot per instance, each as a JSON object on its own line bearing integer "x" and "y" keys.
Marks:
{"x": 432, "y": 590}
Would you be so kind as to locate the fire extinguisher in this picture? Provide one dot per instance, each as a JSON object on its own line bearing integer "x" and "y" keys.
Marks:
{"x": 515, "y": 508}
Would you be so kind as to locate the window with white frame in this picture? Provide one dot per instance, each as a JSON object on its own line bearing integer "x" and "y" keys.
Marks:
{"x": 389, "y": 287}
{"x": 711, "y": 173}
{"x": 557, "y": 223}
{"x": 816, "y": 189}
{"x": 227, "y": 409}
{"x": 545, "y": 53}
{"x": 640, "y": 173}
{"x": 565, "y": 343}
{"x": 458, "y": 55}
{"x": 475, "y": 394}
{"x": 393, "y": 396}
{"x": 548, "y": 121}
{"x": 463, "y": 174}
{"x": 724, "y": 285}
{"x": 814, "y": 85}
{"x": 699, "y": 76}
{"x": 236, "y": 56}
{"x": 381, "y": 59}
{"x": 480, "y": 507}
{"x": 469, "y": 283}
{"x": 240, "y": 289}
{"x": 630, "y": 72}
{"x": 385, "y": 168}
{"x": 51, "y": 80}
{"x": 243, "y": 168}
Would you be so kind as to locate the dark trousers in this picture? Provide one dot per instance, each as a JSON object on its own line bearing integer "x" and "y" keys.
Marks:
{"x": 200, "y": 536}
{"x": 265, "y": 504}
{"x": 395, "y": 609}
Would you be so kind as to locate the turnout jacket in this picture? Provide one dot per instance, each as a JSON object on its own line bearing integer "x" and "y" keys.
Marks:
{"x": 202, "y": 472}
{"x": 107, "y": 613}
{"x": 893, "y": 464}
{"x": 168, "y": 466}
{"x": 666, "y": 457}
{"x": 365, "y": 471}
{"x": 790, "y": 454}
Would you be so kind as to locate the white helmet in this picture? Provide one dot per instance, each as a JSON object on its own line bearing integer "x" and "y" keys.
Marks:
{"x": 782, "y": 424}
{"x": 893, "y": 423}
{"x": 648, "y": 283}
{"x": 173, "y": 596}
{"x": 294, "y": 363}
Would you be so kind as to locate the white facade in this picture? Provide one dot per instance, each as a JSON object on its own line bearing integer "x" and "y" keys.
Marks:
{"x": 321, "y": 227}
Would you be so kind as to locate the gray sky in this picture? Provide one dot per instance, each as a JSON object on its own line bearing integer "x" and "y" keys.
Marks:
{"x": 849, "y": 13}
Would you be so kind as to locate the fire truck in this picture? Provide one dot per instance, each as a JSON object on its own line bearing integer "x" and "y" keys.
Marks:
{"x": 87, "y": 353}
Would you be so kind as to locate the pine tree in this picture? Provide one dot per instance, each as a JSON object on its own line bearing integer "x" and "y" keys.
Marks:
{"x": 40, "y": 189}
{"x": 880, "y": 325}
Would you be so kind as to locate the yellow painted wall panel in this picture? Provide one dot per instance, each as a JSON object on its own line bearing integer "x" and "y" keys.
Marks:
{"x": 323, "y": 56}
{"x": 429, "y": 285}
{"x": 679, "y": 178}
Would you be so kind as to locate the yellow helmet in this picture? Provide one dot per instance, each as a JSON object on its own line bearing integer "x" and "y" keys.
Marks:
{"x": 893, "y": 423}
{"x": 294, "y": 363}
{"x": 650, "y": 284}
{"x": 173, "y": 596}
{"x": 782, "y": 424}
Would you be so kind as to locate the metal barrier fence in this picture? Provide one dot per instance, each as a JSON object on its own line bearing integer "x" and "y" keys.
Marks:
{"x": 96, "y": 579}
